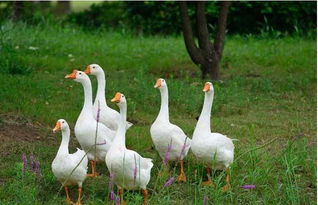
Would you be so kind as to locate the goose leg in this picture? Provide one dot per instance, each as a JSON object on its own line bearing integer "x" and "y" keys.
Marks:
{"x": 209, "y": 182}
{"x": 182, "y": 177}
{"x": 79, "y": 196}
{"x": 227, "y": 179}
{"x": 145, "y": 192}
{"x": 93, "y": 166}
{"x": 121, "y": 194}
{"x": 68, "y": 199}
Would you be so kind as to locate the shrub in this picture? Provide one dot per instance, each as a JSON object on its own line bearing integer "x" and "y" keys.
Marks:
{"x": 106, "y": 15}
{"x": 152, "y": 17}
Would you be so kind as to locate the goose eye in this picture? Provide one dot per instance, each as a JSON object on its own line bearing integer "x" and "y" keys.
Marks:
{"x": 63, "y": 121}
{"x": 123, "y": 96}
{"x": 80, "y": 73}
{"x": 93, "y": 67}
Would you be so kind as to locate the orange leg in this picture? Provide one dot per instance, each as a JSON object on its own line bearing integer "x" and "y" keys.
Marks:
{"x": 121, "y": 194}
{"x": 182, "y": 177}
{"x": 68, "y": 199}
{"x": 227, "y": 187}
{"x": 93, "y": 166}
{"x": 79, "y": 196}
{"x": 145, "y": 192}
{"x": 209, "y": 182}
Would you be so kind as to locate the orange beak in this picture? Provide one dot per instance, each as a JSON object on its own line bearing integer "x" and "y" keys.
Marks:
{"x": 117, "y": 97}
{"x": 206, "y": 87}
{"x": 72, "y": 75}
{"x": 87, "y": 70}
{"x": 158, "y": 84}
{"x": 57, "y": 127}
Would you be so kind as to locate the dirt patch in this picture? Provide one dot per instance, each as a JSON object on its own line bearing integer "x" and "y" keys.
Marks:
{"x": 14, "y": 128}
{"x": 182, "y": 72}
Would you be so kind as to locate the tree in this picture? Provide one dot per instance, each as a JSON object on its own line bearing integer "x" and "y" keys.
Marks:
{"x": 63, "y": 7}
{"x": 17, "y": 9}
{"x": 206, "y": 54}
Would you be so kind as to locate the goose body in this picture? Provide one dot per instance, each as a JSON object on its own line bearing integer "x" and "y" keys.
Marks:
{"x": 108, "y": 116}
{"x": 69, "y": 169}
{"x": 86, "y": 125}
{"x": 213, "y": 149}
{"x": 129, "y": 169}
{"x": 63, "y": 165}
{"x": 122, "y": 162}
{"x": 169, "y": 139}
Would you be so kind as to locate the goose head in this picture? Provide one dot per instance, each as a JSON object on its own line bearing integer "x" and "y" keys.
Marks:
{"x": 161, "y": 83}
{"x": 78, "y": 76}
{"x": 61, "y": 124}
{"x": 208, "y": 87}
{"x": 93, "y": 69}
{"x": 119, "y": 99}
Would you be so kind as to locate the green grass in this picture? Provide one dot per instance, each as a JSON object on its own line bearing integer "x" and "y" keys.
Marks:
{"x": 268, "y": 91}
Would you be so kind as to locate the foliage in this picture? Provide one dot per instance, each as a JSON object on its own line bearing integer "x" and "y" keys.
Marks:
{"x": 33, "y": 12}
{"x": 253, "y": 17}
{"x": 106, "y": 15}
{"x": 153, "y": 17}
{"x": 268, "y": 91}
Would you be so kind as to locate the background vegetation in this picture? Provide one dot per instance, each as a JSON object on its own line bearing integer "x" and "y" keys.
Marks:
{"x": 152, "y": 17}
{"x": 267, "y": 96}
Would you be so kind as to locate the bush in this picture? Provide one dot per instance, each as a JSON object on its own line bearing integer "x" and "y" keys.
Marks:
{"x": 152, "y": 17}
{"x": 31, "y": 12}
{"x": 105, "y": 15}
{"x": 255, "y": 17}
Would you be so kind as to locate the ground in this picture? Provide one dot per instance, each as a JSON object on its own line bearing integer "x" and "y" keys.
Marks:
{"x": 266, "y": 99}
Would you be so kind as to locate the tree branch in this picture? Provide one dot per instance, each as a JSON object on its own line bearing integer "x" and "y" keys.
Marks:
{"x": 221, "y": 28}
{"x": 193, "y": 50}
{"x": 203, "y": 33}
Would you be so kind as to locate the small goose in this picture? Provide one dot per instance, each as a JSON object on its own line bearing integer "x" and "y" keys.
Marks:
{"x": 169, "y": 139}
{"x": 108, "y": 116}
{"x": 213, "y": 149}
{"x": 129, "y": 169}
{"x": 64, "y": 163}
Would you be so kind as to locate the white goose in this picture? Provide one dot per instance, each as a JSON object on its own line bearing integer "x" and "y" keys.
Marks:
{"x": 213, "y": 149}
{"x": 64, "y": 163}
{"x": 169, "y": 139}
{"x": 86, "y": 125}
{"x": 129, "y": 169}
{"x": 108, "y": 116}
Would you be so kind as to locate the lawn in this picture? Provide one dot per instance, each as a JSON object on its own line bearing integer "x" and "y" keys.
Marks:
{"x": 266, "y": 99}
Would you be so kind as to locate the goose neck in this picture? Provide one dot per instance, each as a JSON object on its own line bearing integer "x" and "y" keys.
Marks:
{"x": 120, "y": 138}
{"x": 205, "y": 116}
{"x": 63, "y": 149}
{"x": 101, "y": 85}
{"x": 88, "y": 97}
{"x": 164, "y": 108}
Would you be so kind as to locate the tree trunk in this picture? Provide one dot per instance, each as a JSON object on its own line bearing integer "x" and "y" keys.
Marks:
{"x": 206, "y": 54}
{"x": 219, "y": 40}
{"x": 193, "y": 50}
{"x": 45, "y": 5}
{"x": 17, "y": 8}
{"x": 63, "y": 7}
